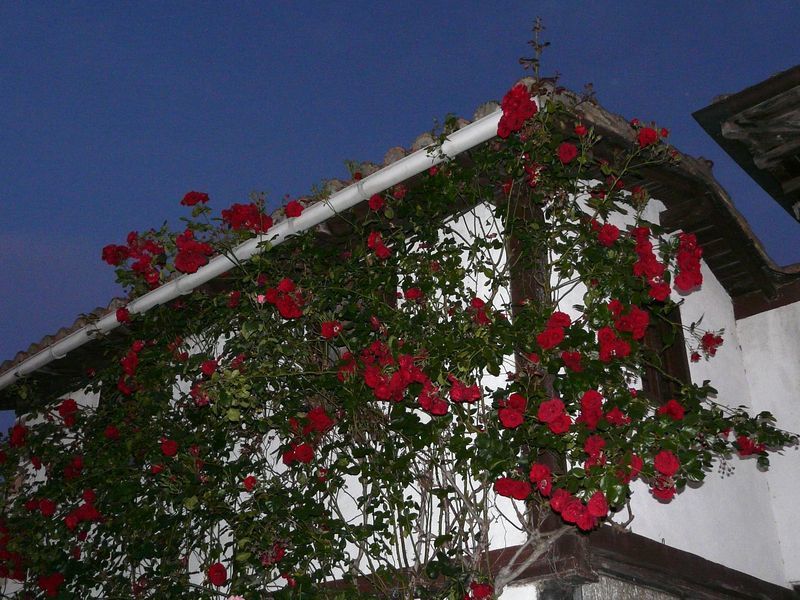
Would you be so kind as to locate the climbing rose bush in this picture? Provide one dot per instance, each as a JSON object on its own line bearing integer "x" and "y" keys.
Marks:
{"x": 347, "y": 413}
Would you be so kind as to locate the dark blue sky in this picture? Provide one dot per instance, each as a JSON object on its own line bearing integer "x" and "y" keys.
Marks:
{"x": 109, "y": 113}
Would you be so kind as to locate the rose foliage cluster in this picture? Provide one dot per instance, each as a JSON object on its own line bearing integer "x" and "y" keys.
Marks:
{"x": 349, "y": 412}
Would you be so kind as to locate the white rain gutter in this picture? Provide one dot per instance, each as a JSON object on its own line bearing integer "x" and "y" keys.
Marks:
{"x": 465, "y": 138}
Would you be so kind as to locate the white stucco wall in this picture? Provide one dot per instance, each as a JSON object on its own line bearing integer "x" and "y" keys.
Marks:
{"x": 728, "y": 520}
{"x": 771, "y": 356}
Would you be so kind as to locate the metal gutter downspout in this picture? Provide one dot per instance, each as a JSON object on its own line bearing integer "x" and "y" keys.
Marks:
{"x": 465, "y": 138}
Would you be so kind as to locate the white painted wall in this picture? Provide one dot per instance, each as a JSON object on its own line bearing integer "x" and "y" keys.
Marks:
{"x": 731, "y": 520}
{"x": 726, "y": 520}
{"x": 771, "y": 356}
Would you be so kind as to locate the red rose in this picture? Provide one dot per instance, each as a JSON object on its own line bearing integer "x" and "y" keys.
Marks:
{"x": 616, "y": 417}
{"x": 217, "y": 575}
{"x": 87, "y": 512}
{"x": 594, "y": 445}
{"x": 17, "y": 435}
{"x": 607, "y": 235}
{"x": 647, "y": 136}
{"x": 586, "y": 521}
{"x": 666, "y": 463}
{"x": 318, "y": 420}
{"x": 115, "y": 255}
{"x": 111, "y": 433}
{"x": 191, "y": 254}
{"x": 666, "y": 493}
{"x": 688, "y": 259}
{"x": 747, "y": 446}
{"x": 293, "y": 209}
{"x": 545, "y": 486}
{"x": 376, "y": 202}
{"x": 304, "y": 453}
{"x": 512, "y": 488}
{"x": 510, "y": 418}
{"x": 275, "y": 555}
{"x": 480, "y": 591}
{"x": 74, "y": 468}
{"x": 610, "y": 345}
{"x": 559, "y": 499}
{"x": 71, "y": 521}
{"x": 47, "y": 507}
{"x": 156, "y": 469}
{"x": 580, "y": 130}
{"x": 550, "y": 410}
{"x": 249, "y": 482}
{"x": 123, "y": 315}
{"x": 375, "y": 242}
{"x": 597, "y": 505}
{"x": 383, "y": 252}
{"x": 461, "y": 392}
{"x": 517, "y": 402}
{"x": 233, "y": 298}
{"x": 550, "y": 338}
{"x": 288, "y": 306}
{"x": 479, "y": 311}
{"x": 430, "y": 401}
{"x": 169, "y": 447}
{"x": 560, "y": 424}
{"x": 512, "y": 411}
{"x": 630, "y": 470}
{"x": 192, "y": 198}
{"x": 541, "y": 476}
{"x": 663, "y": 489}
{"x": 672, "y": 409}
{"x": 567, "y": 152}
{"x": 634, "y": 322}
{"x": 710, "y": 342}
{"x": 413, "y": 293}
{"x": 572, "y": 360}
{"x": 246, "y": 217}
{"x": 330, "y": 329}
{"x": 286, "y": 285}
{"x": 67, "y": 410}
{"x": 374, "y": 239}
{"x": 573, "y": 509}
{"x": 558, "y": 319}
{"x": 209, "y": 367}
{"x": 129, "y": 362}
{"x": 518, "y": 107}
{"x": 659, "y": 291}
{"x": 49, "y": 584}
{"x": 591, "y": 409}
